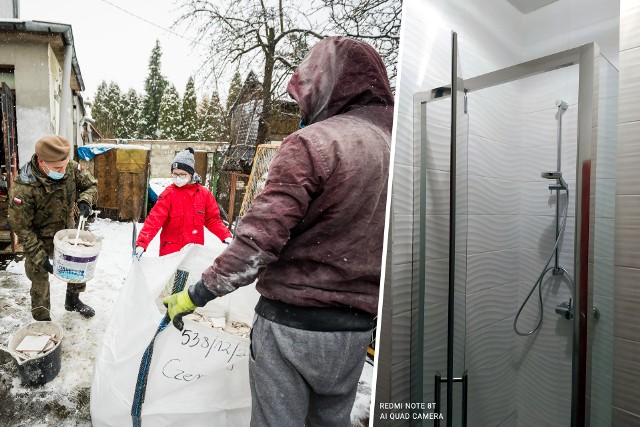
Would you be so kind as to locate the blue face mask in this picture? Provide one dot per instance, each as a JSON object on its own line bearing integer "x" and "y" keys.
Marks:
{"x": 53, "y": 174}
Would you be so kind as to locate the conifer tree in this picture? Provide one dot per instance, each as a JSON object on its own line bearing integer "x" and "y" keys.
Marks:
{"x": 204, "y": 131}
{"x": 98, "y": 107}
{"x": 170, "y": 115}
{"x": 234, "y": 89}
{"x": 130, "y": 107}
{"x": 189, "y": 131}
{"x": 219, "y": 121}
{"x": 154, "y": 89}
{"x": 107, "y": 109}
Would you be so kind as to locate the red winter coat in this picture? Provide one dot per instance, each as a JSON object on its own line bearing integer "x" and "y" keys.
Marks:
{"x": 314, "y": 236}
{"x": 182, "y": 213}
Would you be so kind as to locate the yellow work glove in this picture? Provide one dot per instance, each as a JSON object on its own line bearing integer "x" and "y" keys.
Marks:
{"x": 179, "y": 305}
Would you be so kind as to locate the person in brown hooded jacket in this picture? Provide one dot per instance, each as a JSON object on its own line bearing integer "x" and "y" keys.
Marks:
{"x": 313, "y": 238}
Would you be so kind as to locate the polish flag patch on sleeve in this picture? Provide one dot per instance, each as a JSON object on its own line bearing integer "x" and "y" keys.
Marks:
{"x": 17, "y": 201}
{"x": 79, "y": 167}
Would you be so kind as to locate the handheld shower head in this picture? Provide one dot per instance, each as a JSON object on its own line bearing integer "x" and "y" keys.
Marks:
{"x": 562, "y": 107}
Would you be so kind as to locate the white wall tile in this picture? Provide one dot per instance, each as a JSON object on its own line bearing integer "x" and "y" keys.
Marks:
{"x": 402, "y": 190}
{"x": 402, "y": 244}
{"x": 492, "y": 392}
{"x": 401, "y": 287}
{"x": 493, "y": 196}
{"x": 489, "y": 269}
{"x": 492, "y": 233}
{"x": 404, "y": 141}
{"x": 492, "y": 159}
{"x": 489, "y": 343}
{"x": 629, "y": 29}
{"x": 544, "y": 382}
{"x": 627, "y": 178}
{"x": 629, "y": 108}
{"x": 490, "y": 306}
{"x": 541, "y": 91}
{"x": 400, "y": 339}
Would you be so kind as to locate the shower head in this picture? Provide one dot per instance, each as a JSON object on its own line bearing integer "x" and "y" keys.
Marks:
{"x": 557, "y": 175}
{"x": 562, "y": 106}
{"x": 551, "y": 175}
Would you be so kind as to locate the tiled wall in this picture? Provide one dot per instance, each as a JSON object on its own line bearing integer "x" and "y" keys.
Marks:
{"x": 626, "y": 341}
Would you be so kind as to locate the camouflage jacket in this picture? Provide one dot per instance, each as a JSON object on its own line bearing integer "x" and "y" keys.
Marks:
{"x": 39, "y": 207}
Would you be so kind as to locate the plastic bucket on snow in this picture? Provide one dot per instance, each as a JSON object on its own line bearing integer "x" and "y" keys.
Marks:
{"x": 44, "y": 368}
{"x": 75, "y": 263}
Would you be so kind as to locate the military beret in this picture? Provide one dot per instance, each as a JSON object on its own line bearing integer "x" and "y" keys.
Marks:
{"x": 52, "y": 148}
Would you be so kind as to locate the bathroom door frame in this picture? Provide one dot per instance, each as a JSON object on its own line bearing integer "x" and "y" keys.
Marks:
{"x": 584, "y": 56}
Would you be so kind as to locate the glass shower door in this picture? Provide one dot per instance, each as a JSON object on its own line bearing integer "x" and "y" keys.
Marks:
{"x": 438, "y": 353}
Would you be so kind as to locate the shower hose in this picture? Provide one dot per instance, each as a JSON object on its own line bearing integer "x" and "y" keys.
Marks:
{"x": 545, "y": 270}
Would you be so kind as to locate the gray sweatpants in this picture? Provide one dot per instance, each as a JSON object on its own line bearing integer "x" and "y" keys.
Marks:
{"x": 303, "y": 377}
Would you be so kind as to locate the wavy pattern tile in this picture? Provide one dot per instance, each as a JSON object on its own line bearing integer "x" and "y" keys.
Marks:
{"x": 434, "y": 359}
{"x": 437, "y": 192}
{"x": 544, "y": 391}
{"x": 605, "y": 197}
{"x": 540, "y": 159}
{"x": 602, "y": 357}
{"x": 541, "y": 91}
{"x": 537, "y": 199}
{"x": 541, "y": 127}
{"x": 532, "y": 262}
{"x": 438, "y": 146}
{"x": 492, "y": 159}
{"x": 493, "y": 196}
{"x": 400, "y": 339}
{"x": 603, "y": 277}
{"x": 492, "y": 392}
{"x": 437, "y": 281}
{"x": 437, "y": 237}
{"x": 539, "y": 233}
{"x": 402, "y": 239}
{"x": 490, "y": 306}
{"x": 401, "y": 381}
{"x": 488, "y": 343}
{"x": 489, "y": 269}
{"x": 435, "y": 321}
{"x": 439, "y": 112}
{"x": 555, "y": 336}
{"x": 510, "y": 421}
{"x": 404, "y": 141}
{"x": 401, "y": 287}
{"x": 402, "y": 190}
{"x": 606, "y": 157}
{"x": 492, "y": 233}
{"x": 493, "y": 115}
{"x": 603, "y": 237}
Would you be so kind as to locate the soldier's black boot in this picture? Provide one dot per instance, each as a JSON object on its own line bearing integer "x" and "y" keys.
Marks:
{"x": 73, "y": 303}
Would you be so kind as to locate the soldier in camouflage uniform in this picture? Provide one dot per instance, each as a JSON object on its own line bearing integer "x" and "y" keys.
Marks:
{"x": 41, "y": 203}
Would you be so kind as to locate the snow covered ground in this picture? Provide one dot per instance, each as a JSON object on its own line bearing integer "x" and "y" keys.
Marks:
{"x": 64, "y": 401}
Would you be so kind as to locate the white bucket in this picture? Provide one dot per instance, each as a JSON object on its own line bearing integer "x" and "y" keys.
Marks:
{"x": 75, "y": 263}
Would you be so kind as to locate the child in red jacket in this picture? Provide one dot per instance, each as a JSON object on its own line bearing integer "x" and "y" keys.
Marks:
{"x": 182, "y": 211}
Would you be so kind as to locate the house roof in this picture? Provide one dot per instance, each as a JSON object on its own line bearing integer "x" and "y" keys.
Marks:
{"x": 40, "y": 28}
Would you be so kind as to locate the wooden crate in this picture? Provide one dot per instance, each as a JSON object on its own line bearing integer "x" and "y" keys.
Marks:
{"x": 123, "y": 178}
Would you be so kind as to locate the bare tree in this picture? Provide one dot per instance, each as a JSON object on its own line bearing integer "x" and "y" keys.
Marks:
{"x": 376, "y": 21}
{"x": 248, "y": 34}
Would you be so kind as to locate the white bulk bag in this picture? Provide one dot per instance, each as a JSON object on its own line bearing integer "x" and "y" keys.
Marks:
{"x": 199, "y": 376}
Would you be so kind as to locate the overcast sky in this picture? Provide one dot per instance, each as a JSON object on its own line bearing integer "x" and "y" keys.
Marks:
{"x": 114, "y": 45}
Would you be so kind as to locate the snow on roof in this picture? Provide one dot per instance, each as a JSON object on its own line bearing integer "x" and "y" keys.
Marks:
{"x": 121, "y": 146}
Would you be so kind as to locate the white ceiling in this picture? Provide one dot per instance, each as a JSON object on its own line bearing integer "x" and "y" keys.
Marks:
{"x": 528, "y": 6}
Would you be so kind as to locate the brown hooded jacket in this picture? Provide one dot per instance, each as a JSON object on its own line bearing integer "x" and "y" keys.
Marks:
{"x": 314, "y": 236}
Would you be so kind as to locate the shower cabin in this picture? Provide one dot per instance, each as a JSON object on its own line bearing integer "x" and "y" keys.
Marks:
{"x": 513, "y": 250}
